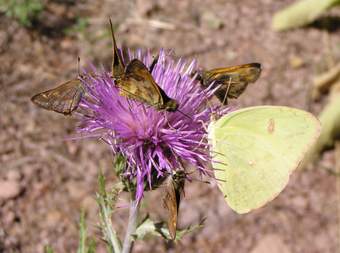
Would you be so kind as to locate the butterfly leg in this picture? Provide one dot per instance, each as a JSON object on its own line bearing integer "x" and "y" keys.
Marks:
{"x": 225, "y": 99}
{"x": 167, "y": 121}
{"x": 130, "y": 106}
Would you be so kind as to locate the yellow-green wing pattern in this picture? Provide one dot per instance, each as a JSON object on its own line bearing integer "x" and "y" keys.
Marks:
{"x": 256, "y": 149}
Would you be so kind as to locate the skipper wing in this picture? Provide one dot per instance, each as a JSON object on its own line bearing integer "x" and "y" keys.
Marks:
{"x": 62, "y": 99}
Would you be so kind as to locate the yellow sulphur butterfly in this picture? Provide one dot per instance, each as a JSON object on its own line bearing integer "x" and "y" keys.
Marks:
{"x": 255, "y": 150}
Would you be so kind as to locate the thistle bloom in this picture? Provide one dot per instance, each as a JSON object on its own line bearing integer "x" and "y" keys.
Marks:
{"x": 153, "y": 142}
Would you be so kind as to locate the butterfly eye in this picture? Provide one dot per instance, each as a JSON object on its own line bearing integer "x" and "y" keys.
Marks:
{"x": 171, "y": 105}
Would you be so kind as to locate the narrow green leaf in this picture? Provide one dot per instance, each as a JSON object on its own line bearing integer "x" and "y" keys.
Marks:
{"x": 106, "y": 201}
{"x": 101, "y": 184}
{"x": 91, "y": 246}
{"x": 48, "y": 249}
{"x": 330, "y": 121}
{"x": 82, "y": 233}
{"x": 119, "y": 164}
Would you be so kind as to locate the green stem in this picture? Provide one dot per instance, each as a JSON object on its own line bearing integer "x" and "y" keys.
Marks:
{"x": 132, "y": 225}
{"x": 110, "y": 232}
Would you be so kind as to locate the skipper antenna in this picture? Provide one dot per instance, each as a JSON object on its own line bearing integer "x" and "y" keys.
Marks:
{"x": 186, "y": 115}
{"x": 78, "y": 65}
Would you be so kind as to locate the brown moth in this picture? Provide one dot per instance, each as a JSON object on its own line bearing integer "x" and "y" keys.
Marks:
{"x": 232, "y": 80}
{"x": 171, "y": 200}
{"x": 136, "y": 82}
{"x": 64, "y": 99}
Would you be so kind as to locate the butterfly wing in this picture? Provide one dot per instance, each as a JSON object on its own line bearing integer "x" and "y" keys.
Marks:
{"x": 63, "y": 99}
{"x": 255, "y": 150}
{"x": 232, "y": 80}
{"x": 171, "y": 200}
{"x": 118, "y": 66}
{"x": 170, "y": 203}
{"x": 139, "y": 84}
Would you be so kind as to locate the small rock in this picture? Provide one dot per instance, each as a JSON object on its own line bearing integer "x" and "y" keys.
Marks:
{"x": 53, "y": 218}
{"x": 9, "y": 189}
{"x": 211, "y": 20}
{"x": 300, "y": 202}
{"x": 66, "y": 43}
{"x": 145, "y": 8}
{"x": 89, "y": 203}
{"x": 270, "y": 243}
{"x": 13, "y": 175}
{"x": 296, "y": 62}
{"x": 8, "y": 217}
{"x": 76, "y": 190}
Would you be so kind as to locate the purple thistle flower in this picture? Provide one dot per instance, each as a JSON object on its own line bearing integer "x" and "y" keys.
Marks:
{"x": 151, "y": 141}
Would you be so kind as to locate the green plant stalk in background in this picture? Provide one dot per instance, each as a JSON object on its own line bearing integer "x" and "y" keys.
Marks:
{"x": 83, "y": 247}
{"x": 301, "y": 13}
{"x": 106, "y": 203}
{"x": 132, "y": 225}
{"x": 330, "y": 120}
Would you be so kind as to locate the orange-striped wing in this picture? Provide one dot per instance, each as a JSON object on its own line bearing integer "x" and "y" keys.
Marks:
{"x": 232, "y": 80}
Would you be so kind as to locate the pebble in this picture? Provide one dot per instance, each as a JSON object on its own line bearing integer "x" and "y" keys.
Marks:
{"x": 271, "y": 243}
{"x": 212, "y": 20}
{"x": 53, "y": 218}
{"x": 13, "y": 175}
{"x": 76, "y": 190}
{"x": 9, "y": 189}
{"x": 8, "y": 217}
{"x": 296, "y": 62}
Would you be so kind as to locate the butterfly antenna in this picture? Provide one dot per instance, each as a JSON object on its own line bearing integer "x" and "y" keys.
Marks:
{"x": 78, "y": 65}
{"x": 117, "y": 60}
{"x": 125, "y": 52}
{"x": 210, "y": 106}
{"x": 113, "y": 44}
{"x": 186, "y": 115}
{"x": 225, "y": 101}
{"x": 154, "y": 62}
{"x": 213, "y": 113}
{"x": 112, "y": 34}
